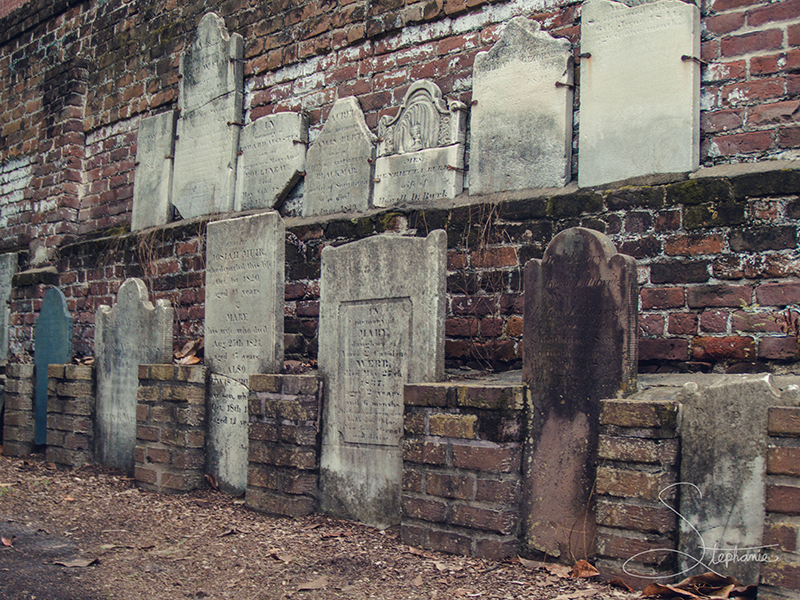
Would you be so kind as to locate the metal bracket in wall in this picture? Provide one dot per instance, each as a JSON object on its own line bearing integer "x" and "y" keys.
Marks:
{"x": 585, "y": 55}
{"x": 686, "y": 57}
{"x": 564, "y": 85}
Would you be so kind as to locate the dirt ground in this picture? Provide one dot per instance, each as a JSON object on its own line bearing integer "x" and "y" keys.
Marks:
{"x": 90, "y": 533}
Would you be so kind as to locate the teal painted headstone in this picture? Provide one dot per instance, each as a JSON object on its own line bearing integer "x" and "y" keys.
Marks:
{"x": 52, "y": 345}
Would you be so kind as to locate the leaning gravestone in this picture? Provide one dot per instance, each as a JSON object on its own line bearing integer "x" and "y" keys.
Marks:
{"x": 52, "y": 345}
{"x": 8, "y": 266}
{"x": 580, "y": 345}
{"x": 640, "y": 90}
{"x": 723, "y": 475}
{"x": 210, "y": 103}
{"x": 243, "y": 331}
{"x": 130, "y": 333}
{"x": 339, "y": 166}
{"x": 155, "y": 145}
{"x": 521, "y": 119}
{"x": 382, "y": 304}
{"x": 272, "y": 158}
{"x": 421, "y": 149}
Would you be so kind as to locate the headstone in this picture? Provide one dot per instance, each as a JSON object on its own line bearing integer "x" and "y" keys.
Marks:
{"x": 640, "y": 90}
{"x": 8, "y": 266}
{"x": 339, "y": 166}
{"x": 155, "y": 146}
{"x": 421, "y": 149}
{"x": 723, "y": 475}
{"x": 382, "y": 303}
{"x": 243, "y": 331}
{"x": 521, "y": 118}
{"x": 580, "y": 346}
{"x": 210, "y": 102}
{"x": 131, "y": 333}
{"x": 272, "y": 158}
{"x": 52, "y": 345}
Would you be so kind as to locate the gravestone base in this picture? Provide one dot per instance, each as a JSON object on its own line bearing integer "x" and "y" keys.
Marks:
{"x": 70, "y": 415}
{"x": 18, "y": 422}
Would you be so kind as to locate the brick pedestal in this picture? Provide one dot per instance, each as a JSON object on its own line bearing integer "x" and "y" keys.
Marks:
{"x": 70, "y": 415}
{"x": 18, "y": 422}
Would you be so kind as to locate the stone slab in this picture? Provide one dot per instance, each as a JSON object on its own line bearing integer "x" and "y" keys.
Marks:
{"x": 243, "y": 331}
{"x": 580, "y": 346}
{"x": 8, "y": 267}
{"x": 521, "y": 118}
{"x": 382, "y": 303}
{"x": 339, "y": 165}
{"x": 723, "y": 474}
{"x": 210, "y": 101}
{"x": 52, "y": 345}
{"x": 130, "y": 333}
{"x": 152, "y": 184}
{"x": 419, "y": 176}
{"x": 272, "y": 159}
{"x": 640, "y": 101}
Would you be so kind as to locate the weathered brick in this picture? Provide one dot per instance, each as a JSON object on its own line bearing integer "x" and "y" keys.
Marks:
{"x": 425, "y": 394}
{"x": 635, "y": 517}
{"x": 446, "y": 485}
{"x": 663, "y": 349}
{"x": 454, "y": 426}
{"x": 500, "y": 459}
{"x": 491, "y": 397}
{"x": 433, "y": 453}
{"x": 500, "y": 521}
{"x": 778, "y": 294}
{"x": 425, "y": 510}
{"x": 784, "y": 421}
{"x": 632, "y": 450}
{"x": 784, "y": 499}
{"x": 723, "y": 348}
{"x": 703, "y": 296}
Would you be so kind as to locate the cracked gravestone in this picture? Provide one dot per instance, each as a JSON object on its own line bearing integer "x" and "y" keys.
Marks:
{"x": 155, "y": 145}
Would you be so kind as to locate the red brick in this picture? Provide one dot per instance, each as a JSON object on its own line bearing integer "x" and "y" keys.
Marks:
{"x": 505, "y": 491}
{"x": 448, "y": 541}
{"x": 721, "y": 120}
{"x": 793, "y": 34}
{"x": 682, "y": 324}
{"x": 778, "y": 348}
{"x": 773, "y": 13}
{"x": 453, "y": 426}
{"x": 690, "y": 245}
{"x": 652, "y": 550}
{"x": 662, "y": 297}
{"x": 782, "y": 574}
{"x": 446, "y": 485}
{"x": 432, "y": 453}
{"x": 784, "y": 499}
{"x": 500, "y": 521}
{"x": 743, "y": 143}
{"x": 461, "y": 327}
{"x": 714, "y": 321}
{"x": 784, "y": 421}
{"x": 766, "y": 65}
{"x": 500, "y": 459}
{"x": 492, "y": 549}
{"x": 425, "y": 395}
{"x": 491, "y": 258}
{"x": 789, "y": 137}
{"x": 783, "y": 461}
{"x": 778, "y": 294}
{"x": 626, "y": 483}
{"x": 723, "y": 348}
{"x": 145, "y": 475}
{"x": 724, "y": 23}
{"x": 782, "y": 535}
{"x": 651, "y": 325}
{"x": 771, "y": 39}
{"x": 701, "y": 296}
{"x": 425, "y": 510}
{"x": 663, "y": 349}
{"x": 758, "y": 322}
{"x": 638, "y": 450}
{"x": 636, "y": 517}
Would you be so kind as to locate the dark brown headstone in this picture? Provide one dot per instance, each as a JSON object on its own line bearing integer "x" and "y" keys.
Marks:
{"x": 580, "y": 346}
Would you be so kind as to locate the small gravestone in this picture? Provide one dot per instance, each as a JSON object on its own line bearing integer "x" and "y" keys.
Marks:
{"x": 339, "y": 166}
{"x": 382, "y": 303}
{"x": 421, "y": 149}
{"x": 152, "y": 183}
{"x": 8, "y": 266}
{"x": 243, "y": 331}
{"x": 131, "y": 333}
{"x": 723, "y": 475}
{"x": 52, "y": 345}
{"x": 640, "y": 90}
{"x": 521, "y": 119}
{"x": 580, "y": 345}
{"x": 210, "y": 102}
{"x": 272, "y": 158}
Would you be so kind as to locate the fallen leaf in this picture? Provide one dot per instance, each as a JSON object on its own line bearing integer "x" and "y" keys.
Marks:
{"x": 212, "y": 481}
{"x": 558, "y": 570}
{"x": 582, "y": 569}
{"x": 76, "y": 562}
{"x": 69, "y": 499}
{"x": 620, "y": 583}
{"x": 277, "y": 554}
{"x": 338, "y": 533}
{"x": 576, "y": 594}
{"x": 417, "y": 581}
{"x": 5, "y": 541}
{"x": 531, "y": 564}
{"x": 316, "y": 584}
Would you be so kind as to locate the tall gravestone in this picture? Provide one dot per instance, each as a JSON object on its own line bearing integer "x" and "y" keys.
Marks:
{"x": 640, "y": 90}
{"x": 243, "y": 331}
{"x": 155, "y": 146}
{"x": 421, "y": 148}
{"x": 210, "y": 103}
{"x": 52, "y": 345}
{"x": 580, "y": 345}
{"x": 723, "y": 475}
{"x": 339, "y": 165}
{"x": 130, "y": 333}
{"x": 8, "y": 266}
{"x": 272, "y": 158}
{"x": 521, "y": 119}
{"x": 382, "y": 303}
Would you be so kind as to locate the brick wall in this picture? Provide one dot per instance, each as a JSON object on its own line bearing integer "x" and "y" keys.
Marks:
{"x": 70, "y": 415}
{"x": 18, "y": 420}
{"x": 170, "y": 428}
{"x": 284, "y": 438}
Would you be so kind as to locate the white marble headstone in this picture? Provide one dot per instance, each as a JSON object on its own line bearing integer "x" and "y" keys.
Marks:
{"x": 8, "y": 266}
{"x": 155, "y": 145}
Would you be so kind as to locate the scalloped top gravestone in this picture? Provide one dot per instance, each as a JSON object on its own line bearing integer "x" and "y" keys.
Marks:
{"x": 382, "y": 302}
{"x": 52, "y": 345}
{"x": 272, "y": 158}
{"x": 640, "y": 90}
{"x": 155, "y": 146}
{"x": 521, "y": 119}
{"x": 131, "y": 333}
{"x": 339, "y": 164}
{"x": 421, "y": 149}
{"x": 8, "y": 266}
{"x": 580, "y": 346}
{"x": 210, "y": 103}
{"x": 243, "y": 331}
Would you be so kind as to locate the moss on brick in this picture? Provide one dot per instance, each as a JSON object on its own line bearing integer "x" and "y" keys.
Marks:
{"x": 573, "y": 205}
{"x": 699, "y": 191}
{"x": 713, "y": 215}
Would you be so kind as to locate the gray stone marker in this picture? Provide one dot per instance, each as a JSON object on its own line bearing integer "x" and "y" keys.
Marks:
{"x": 640, "y": 90}
{"x": 421, "y": 149}
{"x": 243, "y": 331}
{"x": 155, "y": 146}
{"x": 723, "y": 475}
{"x": 8, "y": 267}
{"x": 52, "y": 345}
{"x": 130, "y": 333}
{"x": 521, "y": 119}
{"x": 272, "y": 158}
{"x": 381, "y": 325}
{"x": 339, "y": 165}
{"x": 210, "y": 100}
{"x": 580, "y": 345}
